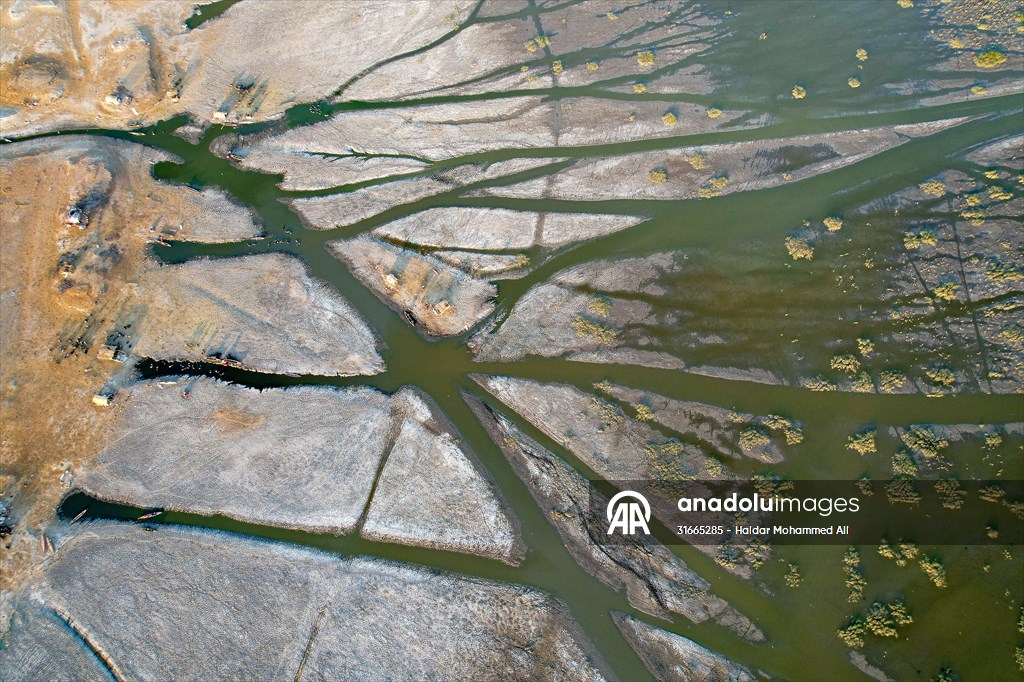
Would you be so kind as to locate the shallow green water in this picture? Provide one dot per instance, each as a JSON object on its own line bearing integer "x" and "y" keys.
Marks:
{"x": 968, "y": 626}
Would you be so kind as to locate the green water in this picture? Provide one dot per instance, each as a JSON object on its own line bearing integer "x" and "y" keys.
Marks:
{"x": 969, "y": 626}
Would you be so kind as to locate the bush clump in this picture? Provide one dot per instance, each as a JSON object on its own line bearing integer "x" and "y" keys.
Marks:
{"x": 845, "y": 363}
{"x": 885, "y": 618}
{"x": 793, "y": 433}
{"x": 862, "y": 443}
{"x": 934, "y": 570}
{"x": 644, "y": 413}
{"x": 946, "y": 291}
{"x": 658, "y": 176}
{"x": 820, "y": 383}
{"x": 799, "y": 248}
{"x": 914, "y": 239}
{"x": 891, "y": 380}
{"x": 854, "y": 578}
{"x": 833, "y": 224}
{"x": 924, "y": 441}
{"x": 901, "y": 552}
{"x": 989, "y": 59}
{"x": 597, "y": 331}
{"x": 941, "y": 376}
{"x": 793, "y": 577}
{"x": 696, "y": 160}
{"x": 753, "y": 438}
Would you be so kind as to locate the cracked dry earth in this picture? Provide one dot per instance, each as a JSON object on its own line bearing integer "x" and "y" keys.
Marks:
{"x": 318, "y": 316}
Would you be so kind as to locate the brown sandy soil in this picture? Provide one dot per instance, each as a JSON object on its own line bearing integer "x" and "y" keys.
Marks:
{"x": 61, "y": 287}
{"x": 88, "y": 63}
{"x": 128, "y": 63}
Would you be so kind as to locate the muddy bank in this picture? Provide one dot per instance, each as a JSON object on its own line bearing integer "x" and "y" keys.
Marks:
{"x": 336, "y": 210}
{"x": 715, "y": 170}
{"x": 439, "y": 299}
{"x": 581, "y": 312}
{"x": 434, "y": 492}
{"x": 498, "y": 229}
{"x": 616, "y": 446}
{"x": 715, "y": 429}
{"x": 672, "y": 658}
{"x": 654, "y": 579}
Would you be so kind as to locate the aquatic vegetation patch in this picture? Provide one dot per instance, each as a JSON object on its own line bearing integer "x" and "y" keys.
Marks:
{"x": 862, "y": 443}
{"x": 799, "y": 248}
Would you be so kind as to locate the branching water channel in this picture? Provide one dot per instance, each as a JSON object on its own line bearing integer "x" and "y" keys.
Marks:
{"x": 444, "y": 368}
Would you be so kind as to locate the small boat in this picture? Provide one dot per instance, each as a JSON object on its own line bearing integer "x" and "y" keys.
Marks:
{"x": 80, "y": 515}
{"x": 150, "y": 515}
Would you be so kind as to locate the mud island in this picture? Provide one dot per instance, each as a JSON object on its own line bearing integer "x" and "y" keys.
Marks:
{"x": 321, "y": 322}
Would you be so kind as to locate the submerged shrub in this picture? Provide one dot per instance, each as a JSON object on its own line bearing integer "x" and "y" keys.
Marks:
{"x": 752, "y": 438}
{"x": 853, "y": 634}
{"x": 799, "y": 248}
{"x": 891, "y": 380}
{"x": 862, "y": 443}
{"x": 820, "y": 383}
{"x": 934, "y": 570}
{"x": 793, "y": 577}
{"x": 845, "y": 363}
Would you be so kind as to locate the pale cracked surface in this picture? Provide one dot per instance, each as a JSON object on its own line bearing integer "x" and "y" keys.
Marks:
{"x": 206, "y": 447}
{"x": 430, "y": 493}
{"x": 192, "y": 605}
{"x": 262, "y": 311}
